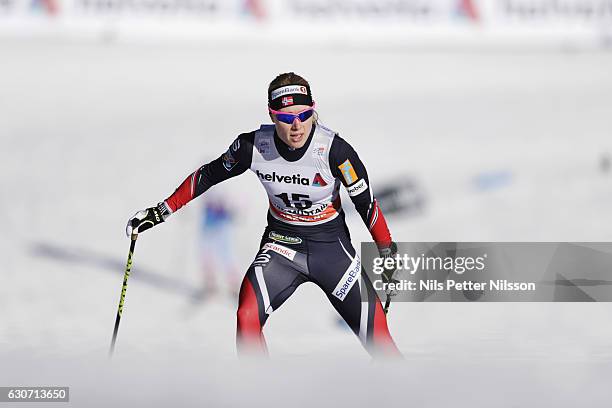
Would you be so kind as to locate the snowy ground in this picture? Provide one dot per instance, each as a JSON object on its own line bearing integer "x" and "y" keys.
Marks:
{"x": 92, "y": 133}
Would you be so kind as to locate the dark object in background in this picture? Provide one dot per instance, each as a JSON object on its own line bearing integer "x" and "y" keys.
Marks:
{"x": 605, "y": 162}
{"x": 401, "y": 197}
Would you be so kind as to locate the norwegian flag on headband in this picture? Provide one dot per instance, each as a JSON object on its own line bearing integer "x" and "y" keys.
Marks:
{"x": 287, "y": 100}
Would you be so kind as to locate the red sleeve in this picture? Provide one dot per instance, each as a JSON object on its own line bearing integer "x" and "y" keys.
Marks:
{"x": 184, "y": 193}
{"x": 378, "y": 227}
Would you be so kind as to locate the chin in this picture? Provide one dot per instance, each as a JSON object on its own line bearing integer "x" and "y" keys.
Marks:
{"x": 299, "y": 143}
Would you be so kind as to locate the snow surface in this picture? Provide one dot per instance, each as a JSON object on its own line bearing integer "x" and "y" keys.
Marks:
{"x": 93, "y": 132}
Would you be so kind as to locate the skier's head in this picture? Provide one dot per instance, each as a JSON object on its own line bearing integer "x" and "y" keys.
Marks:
{"x": 291, "y": 108}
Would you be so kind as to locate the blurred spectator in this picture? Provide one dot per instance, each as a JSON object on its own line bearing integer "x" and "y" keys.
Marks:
{"x": 217, "y": 242}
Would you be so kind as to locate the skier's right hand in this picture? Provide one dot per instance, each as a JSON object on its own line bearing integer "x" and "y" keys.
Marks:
{"x": 145, "y": 219}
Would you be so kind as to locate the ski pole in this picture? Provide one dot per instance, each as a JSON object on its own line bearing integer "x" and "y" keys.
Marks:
{"x": 387, "y": 303}
{"x": 126, "y": 275}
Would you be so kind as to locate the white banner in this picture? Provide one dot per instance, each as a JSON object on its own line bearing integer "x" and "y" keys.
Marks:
{"x": 344, "y": 22}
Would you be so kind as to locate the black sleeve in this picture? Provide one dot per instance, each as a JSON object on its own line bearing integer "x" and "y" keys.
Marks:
{"x": 346, "y": 165}
{"x": 235, "y": 161}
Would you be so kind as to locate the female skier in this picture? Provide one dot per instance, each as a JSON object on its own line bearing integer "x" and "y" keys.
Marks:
{"x": 301, "y": 164}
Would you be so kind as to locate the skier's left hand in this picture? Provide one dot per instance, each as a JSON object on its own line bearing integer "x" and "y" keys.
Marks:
{"x": 389, "y": 252}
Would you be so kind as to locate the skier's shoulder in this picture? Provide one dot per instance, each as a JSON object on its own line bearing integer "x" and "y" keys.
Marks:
{"x": 326, "y": 132}
{"x": 243, "y": 143}
{"x": 340, "y": 149}
{"x": 246, "y": 138}
{"x": 239, "y": 151}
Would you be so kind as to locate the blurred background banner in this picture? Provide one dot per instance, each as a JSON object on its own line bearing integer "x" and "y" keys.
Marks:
{"x": 569, "y": 23}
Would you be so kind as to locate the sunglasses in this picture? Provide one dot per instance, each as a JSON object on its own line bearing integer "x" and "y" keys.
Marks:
{"x": 288, "y": 118}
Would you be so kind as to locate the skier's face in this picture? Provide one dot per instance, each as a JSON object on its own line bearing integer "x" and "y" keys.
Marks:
{"x": 295, "y": 134}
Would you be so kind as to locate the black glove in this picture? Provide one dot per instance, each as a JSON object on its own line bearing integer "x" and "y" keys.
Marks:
{"x": 388, "y": 272}
{"x": 145, "y": 219}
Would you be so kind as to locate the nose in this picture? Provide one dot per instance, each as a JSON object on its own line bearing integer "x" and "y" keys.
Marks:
{"x": 296, "y": 123}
